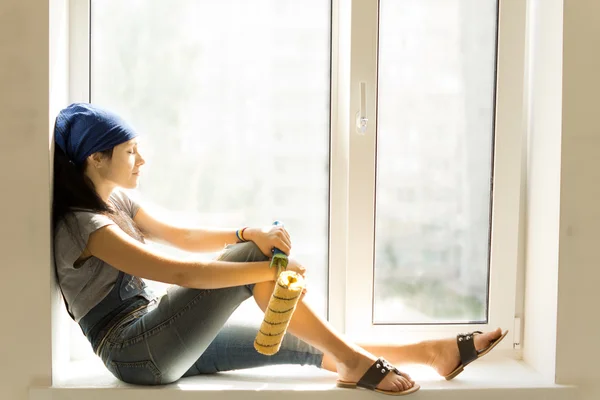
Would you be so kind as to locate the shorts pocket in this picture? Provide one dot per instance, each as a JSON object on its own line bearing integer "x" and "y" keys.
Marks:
{"x": 138, "y": 372}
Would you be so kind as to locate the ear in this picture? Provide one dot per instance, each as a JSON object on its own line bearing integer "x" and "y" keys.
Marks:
{"x": 95, "y": 160}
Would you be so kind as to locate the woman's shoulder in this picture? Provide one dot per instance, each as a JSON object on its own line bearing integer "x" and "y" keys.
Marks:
{"x": 123, "y": 201}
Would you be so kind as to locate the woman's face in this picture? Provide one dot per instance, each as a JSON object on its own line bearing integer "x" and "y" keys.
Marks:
{"x": 123, "y": 169}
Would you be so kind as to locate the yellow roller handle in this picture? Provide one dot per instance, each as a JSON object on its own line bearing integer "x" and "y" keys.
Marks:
{"x": 278, "y": 315}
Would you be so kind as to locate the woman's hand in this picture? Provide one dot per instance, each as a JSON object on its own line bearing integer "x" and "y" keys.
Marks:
{"x": 295, "y": 266}
{"x": 268, "y": 238}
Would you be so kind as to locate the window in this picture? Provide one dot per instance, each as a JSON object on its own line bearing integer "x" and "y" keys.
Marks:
{"x": 243, "y": 107}
{"x": 232, "y": 102}
{"x": 436, "y": 85}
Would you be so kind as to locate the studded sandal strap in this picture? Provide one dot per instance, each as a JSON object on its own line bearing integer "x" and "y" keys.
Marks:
{"x": 376, "y": 373}
{"x": 466, "y": 347}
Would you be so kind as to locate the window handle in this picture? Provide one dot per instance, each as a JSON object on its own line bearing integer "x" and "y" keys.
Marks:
{"x": 361, "y": 115}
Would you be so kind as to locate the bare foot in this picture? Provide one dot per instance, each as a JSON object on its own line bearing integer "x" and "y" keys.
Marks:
{"x": 445, "y": 356}
{"x": 360, "y": 361}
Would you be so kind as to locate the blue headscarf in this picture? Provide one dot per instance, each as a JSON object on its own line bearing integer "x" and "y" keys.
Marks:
{"x": 82, "y": 129}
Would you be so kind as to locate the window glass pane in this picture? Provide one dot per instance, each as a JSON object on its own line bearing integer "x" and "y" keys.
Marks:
{"x": 434, "y": 156}
{"x": 231, "y": 98}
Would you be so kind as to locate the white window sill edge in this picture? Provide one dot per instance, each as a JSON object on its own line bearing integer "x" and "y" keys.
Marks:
{"x": 490, "y": 378}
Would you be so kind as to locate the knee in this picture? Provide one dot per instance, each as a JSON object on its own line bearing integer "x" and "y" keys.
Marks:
{"x": 253, "y": 252}
{"x": 243, "y": 252}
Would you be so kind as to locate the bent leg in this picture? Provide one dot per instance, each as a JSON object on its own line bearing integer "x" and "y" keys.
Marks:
{"x": 169, "y": 339}
{"x": 161, "y": 345}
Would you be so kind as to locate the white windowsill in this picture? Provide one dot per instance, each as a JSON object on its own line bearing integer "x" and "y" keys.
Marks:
{"x": 488, "y": 378}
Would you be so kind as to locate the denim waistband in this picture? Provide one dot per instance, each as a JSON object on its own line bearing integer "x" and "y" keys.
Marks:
{"x": 97, "y": 332}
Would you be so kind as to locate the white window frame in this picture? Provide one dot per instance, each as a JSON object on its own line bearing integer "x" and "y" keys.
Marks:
{"x": 352, "y": 163}
{"x": 351, "y": 284}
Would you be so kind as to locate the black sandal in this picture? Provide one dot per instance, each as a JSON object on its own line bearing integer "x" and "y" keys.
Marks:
{"x": 468, "y": 353}
{"x": 374, "y": 376}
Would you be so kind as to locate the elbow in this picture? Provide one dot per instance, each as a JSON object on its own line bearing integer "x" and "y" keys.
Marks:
{"x": 179, "y": 279}
{"x": 185, "y": 279}
{"x": 190, "y": 277}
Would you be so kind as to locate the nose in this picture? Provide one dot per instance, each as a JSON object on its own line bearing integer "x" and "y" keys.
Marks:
{"x": 140, "y": 160}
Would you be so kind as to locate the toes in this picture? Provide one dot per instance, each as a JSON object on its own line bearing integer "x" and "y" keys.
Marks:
{"x": 408, "y": 378}
{"x": 483, "y": 341}
{"x": 494, "y": 335}
{"x": 405, "y": 383}
{"x": 490, "y": 335}
{"x": 397, "y": 386}
{"x": 394, "y": 383}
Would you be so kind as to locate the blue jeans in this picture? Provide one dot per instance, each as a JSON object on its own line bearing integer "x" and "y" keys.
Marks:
{"x": 187, "y": 334}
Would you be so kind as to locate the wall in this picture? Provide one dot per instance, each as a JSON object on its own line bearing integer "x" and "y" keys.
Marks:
{"x": 561, "y": 324}
{"x": 578, "y": 349}
{"x": 25, "y": 337}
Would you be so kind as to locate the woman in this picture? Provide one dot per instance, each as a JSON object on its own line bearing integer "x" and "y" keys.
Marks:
{"x": 100, "y": 258}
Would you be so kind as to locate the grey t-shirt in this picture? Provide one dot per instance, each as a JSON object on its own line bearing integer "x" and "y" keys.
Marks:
{"x": 87, "y": 284}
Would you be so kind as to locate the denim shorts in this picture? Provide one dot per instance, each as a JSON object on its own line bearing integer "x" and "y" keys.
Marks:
{"x": 186, "y": 332}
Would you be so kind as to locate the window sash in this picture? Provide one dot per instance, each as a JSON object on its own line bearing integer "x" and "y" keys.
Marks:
{"x": 360, "y": 176}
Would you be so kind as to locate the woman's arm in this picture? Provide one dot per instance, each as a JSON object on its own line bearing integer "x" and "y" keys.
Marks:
{"x": 206, "y": 239}
{"x": 184, "y": 238}
{"x": 118, "y": 249}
